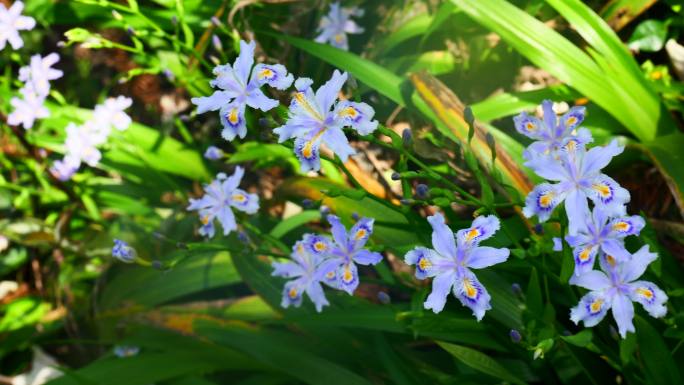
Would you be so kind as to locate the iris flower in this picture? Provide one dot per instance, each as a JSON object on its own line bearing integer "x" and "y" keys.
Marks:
{"x": 550, "y": 133}
{"x": 597, "y": 233}
{"x": 344, "y": 252}
{"x": 237, "y": 90}
{"x": 615, "y": 288}
{"x": 579, "y": 177}
{"x": 112, "y": 113}
{"x": 318, "y": 118}
{"x": 11, "y": 22}
{"x": 27, "y": 109}
{"x": 451, "y": 260}
{"x": 39, "y": 73}
{"x": 221, "y": 196}
{"x": 335, "y": 26}
{"x": 305, "y": 268}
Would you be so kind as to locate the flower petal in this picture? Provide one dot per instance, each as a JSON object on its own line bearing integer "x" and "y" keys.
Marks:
{"x": 584, "y": 257}
{"x": 577, "y": 209}
{"x": 482, "y": 228}
{"x": 213, "y": 102}
{"x": 592, "y": 280}
{"x": 317, "y": 296}
{"x": 233, "y": 121}
{"x": 541, "y": 201}
{"x": 360, "y": 232}
{"x": 635, "y": 266}
{"x": 472, "y": 294}
{"x": 245, "y": 60}
{"x": 367, "y": 257}
{"x": 227, "y": 219}
{"x": 244, "y": 201}
{"x": 286, "y": 269}
{"x": 441, "y": 285}
{"x": 308, "y": 153}
{"x": 649, "y": 296}
{"x": 442, "y": 237}
{"x": 623, "y": 312}
{"x": 275, "y": 75}
{"x": 598, "y": 157}
{"x": 591, "y": 309}
{"x": 327, "y": 93}
{"x": 529, "y": 126}
{"x": 625, "y": 226}
{"x": 483, "y": 256}
{"x": 335, "y": 139}
{"x": 257, "y": 99}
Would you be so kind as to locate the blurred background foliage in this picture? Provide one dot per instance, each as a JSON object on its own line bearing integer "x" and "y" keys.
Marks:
{"x": 209, "y": 312}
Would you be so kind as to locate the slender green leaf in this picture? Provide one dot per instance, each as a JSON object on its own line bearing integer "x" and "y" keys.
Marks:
{"x": 480, "y": 361}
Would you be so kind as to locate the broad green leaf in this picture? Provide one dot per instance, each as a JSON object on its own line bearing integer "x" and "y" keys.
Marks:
{"x": 294, "y": 221}
{"x": 373, "y": 75}
{"x": 282, "y": 354}
{"x": 619, "y": 13}
{"x": 603, "y": 82}
{"x": 581, "y": 339}
{"x": 660, "y": 367}
{"x": 649, "y": 36}
{"x": 666, "y": 154}
{"x": 392, "y": 227}
{"x": 535, "y": 304}
{"x": 480, "y": 362}
{"x": 449, "y": 110}
{"x": 201, "y": 270}
{"x": 410, "y": 29}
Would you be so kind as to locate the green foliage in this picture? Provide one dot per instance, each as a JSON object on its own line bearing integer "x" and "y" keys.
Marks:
{"x": 209, "y": 311}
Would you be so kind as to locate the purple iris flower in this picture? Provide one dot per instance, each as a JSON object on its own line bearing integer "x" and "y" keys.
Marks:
{"x": 39, "y": 73}
{"x": 318, "y": 118}
{"x": 221, "y": 196}
{"x": 451, "y": 260}
{"x": 579, "y": 177}
{"x": 28, "y": 109}
{"x": 335, "y": 26}
{"x": 238, "y": 90}
{"x": 213, "y": 153}
{"x": 306, "y": 269}
{"x": 616, "y": 287}
{"x": 344, "y": 252}
{"x": 551, "y": 133}
{"x": 11, "y": 22}
{"x": 598, "y": 232}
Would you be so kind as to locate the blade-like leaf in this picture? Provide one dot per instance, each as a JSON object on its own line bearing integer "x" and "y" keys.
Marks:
{"x": 480, "y": 361}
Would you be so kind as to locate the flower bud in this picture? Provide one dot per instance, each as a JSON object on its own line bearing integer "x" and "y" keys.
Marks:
{"x": 407, "y": 137}
{"x": 422, "y": 191}
{"x": 515, "y": 336}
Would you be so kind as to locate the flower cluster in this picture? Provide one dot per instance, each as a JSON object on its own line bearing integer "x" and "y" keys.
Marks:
{"x": 315, "y": 117}
{"x": 11, "y": 22}
{"x": 237, "y": 90}
{"x": 82, "y": 141}
{"x": 451, "y": 260}
{"x": 559, "y": 153}
{"x": 36, "y": 77}
{"x": 221, "y": 196}
{"x": 318, "y": 259}
{"x": 318, "y": 117}
{"x": 334, "y": 27}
